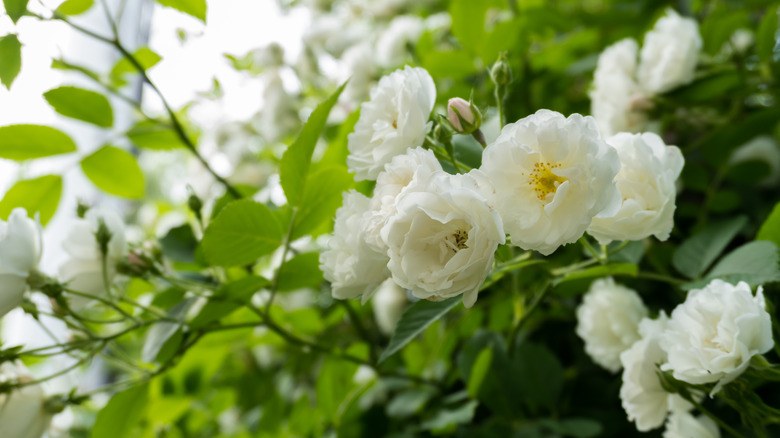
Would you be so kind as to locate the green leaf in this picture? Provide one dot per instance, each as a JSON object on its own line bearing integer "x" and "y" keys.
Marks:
{"x": 122, "y": 414}
{"x": 449, "y": 64}
{"x": 15, "y": 8}
{"x": 479, "y": 370}
{"x": 770, "y": 230}
{"x": 709, "y": 88}
{"x": 26, "y": 142}
{"x": 294, "y": 168}
{"x": 180, "y": 244}
{"x": 145, "y": 56}
{"x": 301, "y": 271}
{"x": 414, "y": 320}
{"x": 499, "y": 387}
{"x": 697, "y": 253}
{"x": 228, "y": 299}
{"x": 468, "y": 23}
{"x": 80, "y": 104}
{"x": 541, "y": 374}
{"x": 755, "y": 263}
{"x": 164, "y": 338}
{"x": 150, "y": 135}
{"x": 447, "y": 419}
{"x": 321, "y": 199}
{"x": 767, "y": 36}
{"x": 39, "y": 195}
{"x": 244, "y": 231}
{"x": 74, "y": 7}
{"x": 114, "y": 171}
{"x": 574, "y": 427}
{"x": 196, "y": 8}
{"x": 334, "y": 383}
{"x": 10, "y": 59}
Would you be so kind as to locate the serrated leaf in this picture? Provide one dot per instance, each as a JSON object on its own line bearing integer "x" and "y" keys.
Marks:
{"x": 114, "y": 171}
{"x": 15, "y": 8}
{"x": 195, "y": 8}
{"x": 39, "y": 195}
{"x": 301, "y": 271}
{"x": 145, "y": 56}
{"x": 121, "y": 415}
{"x": 10, "y": 59}
{"x": 26, "y": 142}
{"x": 478, "y": 371}
{"x": 321, "y": 199}
{"x": 164, "y": 338}
{"x": 414, "y": 320}
{"x": 227, "y": 300}
{"x": 150, "y": 135}
{"x": 770, "y": 229}
{"x": 80, "y": 104}
{"x": 74, "y": 7}
{"x": 697, "y": 253}
{"x": 294, "y": 168}
{"x": 755, "y": 263}
{"x": 244, "y": 231}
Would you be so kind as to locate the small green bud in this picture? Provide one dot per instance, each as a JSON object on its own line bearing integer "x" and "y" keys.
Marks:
{"x": 195, "y": 204}
{"x": 103, "y": 236}
{"x": 81, "y": 209}
{"x": 501, "y": 73}
{"x": 55, "y": 404}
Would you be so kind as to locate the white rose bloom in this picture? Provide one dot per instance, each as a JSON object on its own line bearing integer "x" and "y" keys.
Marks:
{"x": 21, "y": 245}
{"x": 552, "y": 175}
{"x": 617, "y": 102}
{"x": 83, "y": 271}
{"x": 646, "y": 181}
{"x": 441, "y": 242}
{"x": 669, "y": 53}
{"x": 22, "y": 413}
{"x": 608, "y": 321}
{"x": 359, "y": 67}
{"x": 684, "y": 425}
{"x": 394, "y": 120}
{"x": 350, "y": 264}
{"x": 279, "y": 115}
{"x": 763, "y": 148}
{"x": 391, "y": 47}
{"x": 714, "y": 333}
{"x": 643, "y": 398}
{"x": 413, "y": 170}
{"x": 388, "y": 304}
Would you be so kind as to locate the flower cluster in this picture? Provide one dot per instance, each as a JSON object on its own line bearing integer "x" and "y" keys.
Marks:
{"x": 626, "y": 79}
{"x": 545, "y": 181}
{"x": 709, "y": 339}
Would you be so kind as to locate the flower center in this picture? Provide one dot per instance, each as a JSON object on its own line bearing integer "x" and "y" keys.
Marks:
{"x": 543, "y": 180}
{"x": 457, "y": 240}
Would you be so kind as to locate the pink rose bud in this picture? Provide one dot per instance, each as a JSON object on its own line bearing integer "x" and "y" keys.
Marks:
{"x": 463, "y": 115}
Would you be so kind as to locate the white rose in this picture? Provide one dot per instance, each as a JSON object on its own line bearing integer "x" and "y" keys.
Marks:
{"x": 21, "y": 245}
{"x": 22, "y": 413}
{"x": 646, "y": 181}
{"x": 669, "y": 53}
{"x": 684, "y": 425}
{"x": 358, "y": 66}
{"x": 714, "y": 333}
{"x": 413, "y": 170}
{"x": 617, "y": 102}
{"x": 394, "y": 120}
{"x": 350, "y": 264}
{"x": 391, "y": 47}
{"x": 552, "y": 175}
{"x": 441, "y": 242}
{"x": 643, "y": 398}
{"x": 762, "y": 148}
{"x": 83, "y": 271}
{"x": 279, "y": 115}
{"x": 608, "y": 321}
{"x": 388, "y": 304}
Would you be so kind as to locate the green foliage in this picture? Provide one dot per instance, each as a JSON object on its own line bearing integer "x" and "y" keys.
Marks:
{"x": 244, "y": 231}
{"x": 15, "y": 8}
{"x": 80, "y": 104}
{"x": 10, "y": 59}
{"x": 770, "y": 230}
{"x": 74, "y": 7}
{"x": 321, "y": 199}
{"x": 697, "y": 253}
{"x": 227, "y": 300}
{"x": 195, "y": 8}
{"x": 156, "y": 136}
{"x": 414, "y": 320}
{"x": 301, "y": 271}
{"x": 164, "y": 338}
{"x": 294, "y": 168}
{"x": 120, "y": 416}
{"x": 755, "y": 263}
{"x": 26, "y": 142}
{"x": 145, "y": 57}
{"x": 114, "y": 171}
{"x": 767, "y": 35}
{"x": 39, "y": 196}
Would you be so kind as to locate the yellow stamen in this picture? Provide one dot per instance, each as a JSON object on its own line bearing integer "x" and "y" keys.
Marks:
{"x": 543, "y": 180}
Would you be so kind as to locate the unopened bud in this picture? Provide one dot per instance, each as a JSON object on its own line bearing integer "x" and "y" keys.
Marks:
{"x": 81, "y": 209}
{"x": 501, "y": 73}
{"x": 103, "y": 236}
{"x": 55, "y": 404}
{"x": 195, "y": 204}
{"x": 464, "y": 117}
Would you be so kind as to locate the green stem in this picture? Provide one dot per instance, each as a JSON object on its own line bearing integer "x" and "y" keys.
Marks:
{"x": 591, "y": 250}
{"x": 524, "y": 318}
{"x": 285, "y": 250}
{"x": 660, "y": 277}
{"x": 499, "y": 93}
